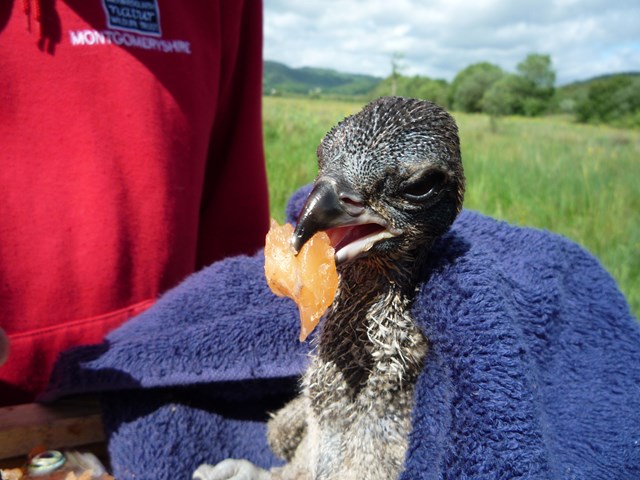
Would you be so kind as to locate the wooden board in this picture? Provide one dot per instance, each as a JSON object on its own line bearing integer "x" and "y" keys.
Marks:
{"x": 70, "y": 423}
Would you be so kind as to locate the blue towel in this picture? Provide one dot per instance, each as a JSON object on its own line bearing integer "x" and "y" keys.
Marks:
{"x": 533, "y": 369}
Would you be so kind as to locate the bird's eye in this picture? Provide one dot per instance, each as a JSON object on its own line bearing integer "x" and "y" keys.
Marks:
{"x": 424, "y": 186}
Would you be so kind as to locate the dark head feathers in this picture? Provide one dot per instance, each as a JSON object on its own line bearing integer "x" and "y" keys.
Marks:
{"x": 390, "y": 181}
{"x": 392, "y": 134}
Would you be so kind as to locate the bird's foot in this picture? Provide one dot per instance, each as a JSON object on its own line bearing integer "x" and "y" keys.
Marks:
{"x": 231, "y": 469}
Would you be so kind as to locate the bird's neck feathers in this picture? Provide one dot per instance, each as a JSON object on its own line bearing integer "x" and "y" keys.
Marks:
{"x": 369, "y": 331}
{"x": 398, "y": 270}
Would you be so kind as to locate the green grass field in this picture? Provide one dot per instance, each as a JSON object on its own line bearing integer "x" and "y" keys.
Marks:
{"x": 580, "y": 181}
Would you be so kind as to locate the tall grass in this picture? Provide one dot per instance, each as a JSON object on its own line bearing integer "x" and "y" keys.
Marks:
{"x": 580, "y": 181}
{"x": 293, "y": 128}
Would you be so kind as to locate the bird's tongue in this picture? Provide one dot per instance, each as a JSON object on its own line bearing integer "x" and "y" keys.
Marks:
{"x": 342, "y": 236}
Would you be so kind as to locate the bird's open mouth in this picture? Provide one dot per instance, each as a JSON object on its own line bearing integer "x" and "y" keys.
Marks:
{"x": 350, "y": 241}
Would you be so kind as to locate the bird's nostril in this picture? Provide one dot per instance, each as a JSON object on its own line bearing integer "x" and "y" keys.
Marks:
{"x": 353, "y": 206}
{"x": 352, "y": 202}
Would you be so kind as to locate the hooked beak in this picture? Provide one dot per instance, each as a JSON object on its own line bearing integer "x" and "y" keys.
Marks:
{"x": 353, "y": 228}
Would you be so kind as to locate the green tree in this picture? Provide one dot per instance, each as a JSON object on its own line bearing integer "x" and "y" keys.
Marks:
{"x": 504, "y": 97}
{"x": 614, "y": 99}
{"x": 538, "y": 83}
{"x": 536, "y": 68}
{"x": 425, "y": 88}
{"x": 429, "y": 89}
{"x": 528, "y": 92}
{"x": 470, "y": 85}
{"x": 396, "y": 68}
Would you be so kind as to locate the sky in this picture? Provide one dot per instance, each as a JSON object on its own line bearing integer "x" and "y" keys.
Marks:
{"x": 438, "y": 38}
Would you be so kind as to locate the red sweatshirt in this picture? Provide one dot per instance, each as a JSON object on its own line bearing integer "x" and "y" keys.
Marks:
{"x": 130, "y": 155}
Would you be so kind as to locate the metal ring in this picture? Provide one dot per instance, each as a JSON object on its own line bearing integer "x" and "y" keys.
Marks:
{"x": 46, "y": 462}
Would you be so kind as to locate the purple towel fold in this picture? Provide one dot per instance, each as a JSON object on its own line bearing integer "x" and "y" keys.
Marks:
{"x": 533, "y": 369}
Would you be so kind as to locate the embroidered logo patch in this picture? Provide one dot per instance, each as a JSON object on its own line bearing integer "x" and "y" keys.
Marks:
{"x": 140, "y": 16}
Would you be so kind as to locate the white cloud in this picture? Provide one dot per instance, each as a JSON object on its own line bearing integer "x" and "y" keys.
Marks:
{"x": 439, "y": 38}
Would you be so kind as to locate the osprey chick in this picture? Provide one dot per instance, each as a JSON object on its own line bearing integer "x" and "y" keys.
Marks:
{"x": 390, "y": 182}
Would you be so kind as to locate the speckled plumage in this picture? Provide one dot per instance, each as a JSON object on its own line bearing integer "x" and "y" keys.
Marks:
{"x": 532, "y": 369}
{"x": 401, "y": 159}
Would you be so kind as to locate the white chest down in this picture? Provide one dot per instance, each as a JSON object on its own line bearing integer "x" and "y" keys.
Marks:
{"x": 361, "y": 430}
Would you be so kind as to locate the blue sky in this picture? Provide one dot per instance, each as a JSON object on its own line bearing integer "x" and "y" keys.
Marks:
{"x": 438, "y": 38}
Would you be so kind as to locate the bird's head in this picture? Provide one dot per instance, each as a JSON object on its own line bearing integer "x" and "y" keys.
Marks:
{"x": 390, "y": 182}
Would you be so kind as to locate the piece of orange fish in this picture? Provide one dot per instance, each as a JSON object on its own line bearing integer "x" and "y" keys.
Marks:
{"x": 310, "y": 278}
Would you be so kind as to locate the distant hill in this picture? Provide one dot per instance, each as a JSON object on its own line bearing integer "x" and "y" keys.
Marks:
{"x": 580, "y": 88}
{"x": 572, "y": 99}
{"x": 600, "y": 77}
{"x": 280, "y": 79}
{"x": 611, "y": 99}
